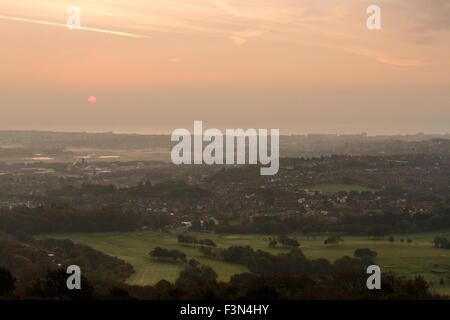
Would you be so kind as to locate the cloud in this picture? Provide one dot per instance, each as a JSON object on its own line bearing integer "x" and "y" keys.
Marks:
{"x": 241, "y": 37}
{"x": 222, "y": 5}
{"x": 402, "y": 62}
{"x": 378, "y": 56}
{"x": 113, "y": 32}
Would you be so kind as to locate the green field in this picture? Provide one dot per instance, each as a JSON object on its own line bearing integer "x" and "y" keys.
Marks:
{"x": 340, "y": 187}
{"x": 406, "y": 259}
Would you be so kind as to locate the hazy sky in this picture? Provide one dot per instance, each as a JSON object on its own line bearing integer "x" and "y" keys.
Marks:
{"x": 297, "y": 65}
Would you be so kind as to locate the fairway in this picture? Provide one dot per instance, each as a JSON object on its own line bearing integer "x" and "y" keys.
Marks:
{"x": 134, "y": 247}
{"x": 418, "y": 257}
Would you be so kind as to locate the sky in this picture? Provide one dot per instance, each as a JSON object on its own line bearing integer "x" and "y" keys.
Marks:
{"x": 302, "y": 66}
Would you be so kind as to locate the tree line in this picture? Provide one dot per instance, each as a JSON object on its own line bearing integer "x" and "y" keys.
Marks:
{"x": 377, "y": 225}
{"x": 189, "y": 239}
{"x": 197, "y": 281}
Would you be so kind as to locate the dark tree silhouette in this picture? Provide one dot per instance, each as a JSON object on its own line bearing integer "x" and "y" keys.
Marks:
{"x": 54, "y": 286}
{"x": 7, "y": 282}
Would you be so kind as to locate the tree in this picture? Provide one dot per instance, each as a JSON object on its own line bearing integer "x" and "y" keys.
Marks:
{"x": 193, "y": 263}
{"x": 272, "y": 242}
{"x": 207, "y": 242}
{"x": 162, "y": 253}
{"x": 197, "y": 273}
{"x": 198, "y": 282}
{"x": 418, "y": 287}
{"x": 377, "y": 231}
{"x": 207, "y": 252}
{"x": 54, "y": 286}
{"x": 441, "y": 242}
{"x": 286, "y": 241}
{"x": 334, "y": 239}
{"x": 24, "y": 237}
{"x": 321, "y": 266}
{"x": 186, "y": 239}
{"x": 365, "y": 253}
{"x": 7, "y": 282}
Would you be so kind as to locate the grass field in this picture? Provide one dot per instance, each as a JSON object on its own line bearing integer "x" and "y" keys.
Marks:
{"x": 406, "y": 259}
{"x": 340, "y": 187}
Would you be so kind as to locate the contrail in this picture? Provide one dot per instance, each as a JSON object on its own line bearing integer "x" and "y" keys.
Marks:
{"x": 117, "y": 33}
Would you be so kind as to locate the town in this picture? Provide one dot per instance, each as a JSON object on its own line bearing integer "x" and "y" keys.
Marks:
{"x": 223, "y": 198}
{"x": 213, "y": 153}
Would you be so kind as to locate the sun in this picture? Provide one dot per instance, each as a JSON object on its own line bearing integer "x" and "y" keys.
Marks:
{"x": 92, "y": 99}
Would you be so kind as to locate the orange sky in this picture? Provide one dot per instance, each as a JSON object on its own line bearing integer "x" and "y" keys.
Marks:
{"x": 298, "y": 65}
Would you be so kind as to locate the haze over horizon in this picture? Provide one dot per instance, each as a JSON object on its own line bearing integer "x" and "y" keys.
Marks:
{"x": 302, "y": 66}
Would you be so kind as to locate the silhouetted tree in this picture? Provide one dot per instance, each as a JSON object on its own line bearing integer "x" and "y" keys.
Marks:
{"x": 334, "y": 239}
{"x": 162, "y": 253}
{"x": 365, "y": 253}
{"x": 54, "y": 286}
{"x": 7, "y": 282}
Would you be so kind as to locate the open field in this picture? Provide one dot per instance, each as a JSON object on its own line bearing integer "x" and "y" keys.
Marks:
{"x": 405, "y": 259}
{"x": 340, "y": 187}
{"x": 134, "y": 248}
